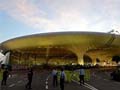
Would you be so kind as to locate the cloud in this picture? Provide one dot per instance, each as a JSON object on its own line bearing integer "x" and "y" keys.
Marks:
{"x": 65, "y": 15}
{"x": 28, "y": 13}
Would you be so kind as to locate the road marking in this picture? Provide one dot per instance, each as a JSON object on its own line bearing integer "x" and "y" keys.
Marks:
{"x": 13, "y": 75}
{"x": 11, "y": 85}
{"x": 19, "y": 81}
{"x": 86, "y": 85}
{"x": 46, "y": 86}
{"x": 47, "y": 77}
{"x": 93, "y": 88}
{"x": 117, "y": 82}
{"x": 25, "y": 79}
{"x": 106, "y": 79}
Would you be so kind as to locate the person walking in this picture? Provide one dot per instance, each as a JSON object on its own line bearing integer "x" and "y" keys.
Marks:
{"x": 81, "y": 76}
{"x": 55, "y": 80}
{"x": 4, "y": 77}
{"x": 62, "y": 79}
{"x": 29, "y": 75}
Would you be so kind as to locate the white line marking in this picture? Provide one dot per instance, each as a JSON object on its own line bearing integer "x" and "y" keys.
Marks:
{"x": 19, "y": 81}
{"x": 11, "y": 85}
{"x": 93, "y": 88}
{"x": 78, "y": 83}
{"x": 86, "y": 85}
{"x": 106, "y": 79}
{"x": 116, "y": 82}
{"x": 14, "y": 75}
{"x": 25, "y": 79}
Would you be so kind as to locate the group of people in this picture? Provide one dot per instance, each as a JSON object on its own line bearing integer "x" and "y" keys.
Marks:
{"x": 54, "y": 74}
{"x": 55, "y": 78}
{"x": 63, "y": 76}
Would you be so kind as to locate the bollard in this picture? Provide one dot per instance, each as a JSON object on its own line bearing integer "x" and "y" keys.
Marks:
{"x": 46, "y": 85}
{"x": 46, "y": 82}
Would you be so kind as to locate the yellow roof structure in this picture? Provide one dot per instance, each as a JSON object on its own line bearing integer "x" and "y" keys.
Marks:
{"x": 96, "y": 45}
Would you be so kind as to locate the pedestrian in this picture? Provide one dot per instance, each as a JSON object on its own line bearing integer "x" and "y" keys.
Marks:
{"x": 55, "y": 80}
{"x": 82, "y": 74}
{"x": 4, "y": 77}
{"x": 62, "y": 79}
{"x": 1, "y": 74}
{"x": 30, "y": 76}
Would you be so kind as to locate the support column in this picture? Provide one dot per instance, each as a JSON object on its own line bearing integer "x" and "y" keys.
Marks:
{"x": 47, "y": 54}
{"x": 79, "y": 53}
{"x": 80, "y": 58}
{"x": 35, "y": 59}
{"x": 94, "y": 61}
{"x": 20, "y": 58}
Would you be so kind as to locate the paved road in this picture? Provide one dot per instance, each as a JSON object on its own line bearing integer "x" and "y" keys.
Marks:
{"x": 98, "y": 81}
{"x": 17, "y": 82}
{"x": 102, "y": 81}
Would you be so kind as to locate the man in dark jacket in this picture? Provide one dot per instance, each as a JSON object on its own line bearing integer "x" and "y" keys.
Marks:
{"x": 5, "y": 76}
{"x": 62, "y": 79}
{"x": 54, "y": 74}
{"x": 30, "y": 75}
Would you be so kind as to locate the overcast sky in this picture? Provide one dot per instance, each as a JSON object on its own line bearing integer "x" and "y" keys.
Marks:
{"x": 25, "y": 17}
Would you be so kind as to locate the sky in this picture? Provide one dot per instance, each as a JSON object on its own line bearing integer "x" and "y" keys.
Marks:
{"x": 26, "y": 17}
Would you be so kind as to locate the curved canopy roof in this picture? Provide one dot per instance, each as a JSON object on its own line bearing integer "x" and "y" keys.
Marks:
{"x": 63, "y": 39}
{"x": 89, "y": 41}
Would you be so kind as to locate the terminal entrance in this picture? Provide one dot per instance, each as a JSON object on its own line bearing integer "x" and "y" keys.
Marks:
{"x": 39, "y": 56}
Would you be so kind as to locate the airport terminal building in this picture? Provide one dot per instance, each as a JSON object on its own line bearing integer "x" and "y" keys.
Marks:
{"x": 61, "y": 48}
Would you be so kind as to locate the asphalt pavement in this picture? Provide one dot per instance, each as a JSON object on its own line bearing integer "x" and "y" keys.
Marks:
{"x": 42, "y": 80}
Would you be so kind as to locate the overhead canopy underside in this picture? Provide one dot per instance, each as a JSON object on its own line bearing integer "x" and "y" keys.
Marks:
{"x": 67, "y": 43}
